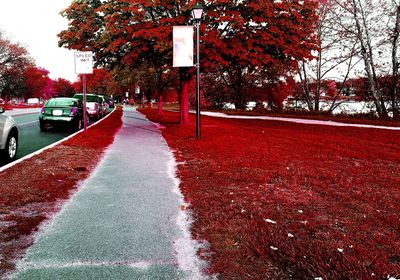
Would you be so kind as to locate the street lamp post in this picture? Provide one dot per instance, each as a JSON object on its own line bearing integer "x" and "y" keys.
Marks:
{"x": 197, "y": 12}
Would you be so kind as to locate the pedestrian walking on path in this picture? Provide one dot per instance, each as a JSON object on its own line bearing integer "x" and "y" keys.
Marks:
{"x": 124, "y": 222}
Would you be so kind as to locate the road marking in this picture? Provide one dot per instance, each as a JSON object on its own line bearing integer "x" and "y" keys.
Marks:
{"x": 18, "y": 114}
{"x": 23, "y": 124}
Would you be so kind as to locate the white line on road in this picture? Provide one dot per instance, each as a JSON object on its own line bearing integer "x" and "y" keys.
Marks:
{"x": 23, "y": 124}
{"x": 21, "y": 112}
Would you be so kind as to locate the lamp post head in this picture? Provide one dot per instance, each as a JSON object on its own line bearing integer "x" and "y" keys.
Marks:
{"x": 197, "y": 12}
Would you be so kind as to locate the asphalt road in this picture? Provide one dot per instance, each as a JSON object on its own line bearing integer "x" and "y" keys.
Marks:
{"x": 31, "y": 138}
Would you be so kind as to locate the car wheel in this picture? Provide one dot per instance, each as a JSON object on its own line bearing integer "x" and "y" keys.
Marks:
{"x": 11, "y": 147}
{"x": 79, "y": 125}
{"x": 42, "y": 126}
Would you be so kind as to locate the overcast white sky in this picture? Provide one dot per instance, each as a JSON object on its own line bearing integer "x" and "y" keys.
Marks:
{"x": 35, "y": 24}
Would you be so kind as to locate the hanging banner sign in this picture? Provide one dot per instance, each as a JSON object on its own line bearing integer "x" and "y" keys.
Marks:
{"x": 183, "y": 46}
{"x": 83, "y": 62}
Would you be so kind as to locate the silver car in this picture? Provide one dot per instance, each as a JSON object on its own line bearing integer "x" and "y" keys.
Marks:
{"x": 104, "y": 105}
{"x": 8, "y": 137}
{"x": 93, "y": 105}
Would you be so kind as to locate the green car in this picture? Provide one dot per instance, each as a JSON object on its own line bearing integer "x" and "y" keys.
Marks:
{"x": 62, "y": 111}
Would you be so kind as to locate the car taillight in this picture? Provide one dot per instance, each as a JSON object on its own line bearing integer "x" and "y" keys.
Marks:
{"x": 74, "y": 110}
{"x": 42, "y": 110}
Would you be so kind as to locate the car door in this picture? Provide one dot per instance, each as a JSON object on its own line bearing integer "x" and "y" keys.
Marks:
{"x": 80, "y": 107}
{"x": 3, "y": 119}
{"x": 3, "y": 137}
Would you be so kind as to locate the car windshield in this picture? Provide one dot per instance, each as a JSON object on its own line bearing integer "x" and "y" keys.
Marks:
{"x": 89, "y": 97}
{"x": 61, "y": 103}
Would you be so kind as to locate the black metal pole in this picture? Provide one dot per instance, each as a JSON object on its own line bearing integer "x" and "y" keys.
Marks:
{"x": 198, "y": 129}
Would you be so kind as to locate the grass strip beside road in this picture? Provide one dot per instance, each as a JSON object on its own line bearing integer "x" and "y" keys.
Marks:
{"x": 33, "y": 190}
{"x": 280, "y": 200}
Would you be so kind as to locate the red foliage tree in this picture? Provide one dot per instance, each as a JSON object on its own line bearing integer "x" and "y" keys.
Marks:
{"x": 100, "y": 82}
{"x": 63, "y": 87}
{"x": 84, "y": 22}
{"x": 246, "y": 35}
{"x": 272, "y": 94}
{"x": 48, "y": 91}
{"x": 77, "y": 86}
{"x": 14, "y": 61}
{"x": 36, "y": 81}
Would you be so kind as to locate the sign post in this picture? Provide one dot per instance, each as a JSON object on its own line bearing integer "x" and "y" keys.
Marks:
{"x": 83, "y": 66}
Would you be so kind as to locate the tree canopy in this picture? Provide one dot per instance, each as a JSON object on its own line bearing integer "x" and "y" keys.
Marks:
{"x": 237, "y": 36}
{"x": 253, "y": 33}
{"x": 14, "y": 60}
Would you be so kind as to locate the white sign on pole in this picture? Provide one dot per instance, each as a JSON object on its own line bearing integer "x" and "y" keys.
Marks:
{"x": 183, "y": 46}
{"x": 83, "y": 62}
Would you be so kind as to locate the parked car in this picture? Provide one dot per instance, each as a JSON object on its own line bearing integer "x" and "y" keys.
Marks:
{"x": 93, "y": 105}
{"x": 104, "y": 105}
{"x": 8, "y": 136}
{"x": 33, "y": 101}
{"x": 60, "y": 111}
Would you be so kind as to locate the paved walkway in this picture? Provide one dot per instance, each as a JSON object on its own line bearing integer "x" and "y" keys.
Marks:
{"x": 125, "y": 222}
{"x": 296, "y": 120}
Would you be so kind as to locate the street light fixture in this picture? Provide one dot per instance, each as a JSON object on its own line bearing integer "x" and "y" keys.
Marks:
{"x": 197, "y": 13}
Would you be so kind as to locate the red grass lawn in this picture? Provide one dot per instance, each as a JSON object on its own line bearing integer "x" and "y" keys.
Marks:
{"x": 279, "y": 200}
{"x": 34, "y": 189}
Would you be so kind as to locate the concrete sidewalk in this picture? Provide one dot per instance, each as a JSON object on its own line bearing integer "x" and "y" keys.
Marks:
{"x": 125, "y": 221}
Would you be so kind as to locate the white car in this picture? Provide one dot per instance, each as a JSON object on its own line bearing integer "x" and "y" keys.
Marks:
{"x": 8, "y": 137}
{"x": 104, "y": 105}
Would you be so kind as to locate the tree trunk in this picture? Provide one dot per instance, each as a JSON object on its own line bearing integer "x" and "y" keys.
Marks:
{"x": 160, "y": 104}
{"x": 395, "y": 66}
{"x": 305, "y": 88}
{"x": 184, "y": 102}
{"x": 239, "y": 95}
{"x": 148, "y": 96}
{"x": 185, "y": 78}
{"x": 369, "y": 67}
{"x": 319, "y": 69}
{"x": 239, "y": 99}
